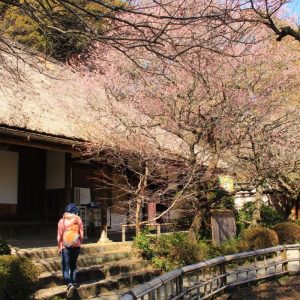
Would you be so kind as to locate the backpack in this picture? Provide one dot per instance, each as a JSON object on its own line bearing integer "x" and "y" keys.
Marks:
{"x": 71, "y": 236}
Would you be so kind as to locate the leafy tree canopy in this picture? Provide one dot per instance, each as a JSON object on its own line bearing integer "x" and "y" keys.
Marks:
{"x": 53, "y": 28}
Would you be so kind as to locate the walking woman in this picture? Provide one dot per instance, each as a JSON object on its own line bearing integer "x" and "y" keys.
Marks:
{"x": 69, "y": 239}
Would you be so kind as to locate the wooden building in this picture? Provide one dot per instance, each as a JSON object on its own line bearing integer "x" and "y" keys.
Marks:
{"x": 46, "y": 121}
{"x": 49, "y": 114}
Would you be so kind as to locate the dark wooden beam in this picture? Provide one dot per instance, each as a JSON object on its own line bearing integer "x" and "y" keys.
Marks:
{"x": 68, "y": 178}
{"x": 45, "y": 146}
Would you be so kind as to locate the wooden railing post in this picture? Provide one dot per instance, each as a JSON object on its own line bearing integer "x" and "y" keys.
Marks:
{"x": 179, "y": 285}
{"x": 158, "y": 229}
{"x": 123, "y": 233}
{"x": 284, "y": 258}
{"x": 223, "y": 272}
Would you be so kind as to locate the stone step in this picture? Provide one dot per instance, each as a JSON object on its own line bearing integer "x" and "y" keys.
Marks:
{"x": 93, "y": 289}
{"x": 87, "y": 260}
{"x": 96, "y": 273}
{"x": 95, "y": 248}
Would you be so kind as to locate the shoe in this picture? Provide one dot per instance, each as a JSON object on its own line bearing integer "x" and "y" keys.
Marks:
{"x": 70, "y": 291}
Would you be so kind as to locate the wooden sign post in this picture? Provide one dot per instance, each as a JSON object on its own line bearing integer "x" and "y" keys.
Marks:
{"x": 223, "y": 226}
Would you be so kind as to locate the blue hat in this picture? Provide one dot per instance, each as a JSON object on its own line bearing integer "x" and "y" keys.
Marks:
{"x": 72, "y": 208}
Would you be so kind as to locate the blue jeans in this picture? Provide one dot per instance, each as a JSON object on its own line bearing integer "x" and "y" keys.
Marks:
{"x": 69, "y": 259}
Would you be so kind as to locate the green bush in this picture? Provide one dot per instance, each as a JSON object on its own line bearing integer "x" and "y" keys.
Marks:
{"x": 169, "y": 251}
{"x": 4, "y": 248}
{"x": 142, "y": 242}
{"x": 228, "y": 247}
{"x": 288, "y": 233}
{"x": 183, "y": 251}
{"x": 269, "y": 216}
{"x": 258, "y": 237}
{"x": 18, "y": 278}
{"x": 162, "y": 263}
{"x": 175, "y": 250}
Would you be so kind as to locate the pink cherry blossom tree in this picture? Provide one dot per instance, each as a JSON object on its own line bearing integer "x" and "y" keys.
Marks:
{"x": 153, "y": 25}
{"x": 204, "y": 110}
{"x": 268, "y": 126}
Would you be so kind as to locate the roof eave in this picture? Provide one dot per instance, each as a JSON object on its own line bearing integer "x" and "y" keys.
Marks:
{"x": 40, "y": 140}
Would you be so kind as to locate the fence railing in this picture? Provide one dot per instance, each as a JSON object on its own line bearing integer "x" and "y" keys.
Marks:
{"x": 207, "y": 278}
{"x": 157, "y": 227}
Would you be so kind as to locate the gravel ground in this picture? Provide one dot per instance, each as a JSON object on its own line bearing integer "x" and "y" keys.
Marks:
{"x": 111, "y": 296}
{"x": 284, "y": 288}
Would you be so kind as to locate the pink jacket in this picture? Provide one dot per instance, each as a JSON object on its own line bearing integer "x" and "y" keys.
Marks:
{"x": 65, "y": 223}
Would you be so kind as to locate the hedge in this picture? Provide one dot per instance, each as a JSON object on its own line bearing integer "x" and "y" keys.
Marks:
{"x": 258, "y": 237}
{"x": 288, "y": 233}
{"x": 18, "y": 278}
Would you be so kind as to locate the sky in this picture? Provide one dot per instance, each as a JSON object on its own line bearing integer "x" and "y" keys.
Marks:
{"x": 295, "y": 7}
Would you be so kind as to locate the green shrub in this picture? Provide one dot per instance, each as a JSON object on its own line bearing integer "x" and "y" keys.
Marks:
{"x": 18, "y": 278}
{"x": 142, "y": 242}
{"x": 183, "y": 251}
{"x": 4, "y": 248}
{"x": 162, "y": 263}
{"x": 176, "y": 250}
{"x": 288, "y": 233}
{"x": 169, "y": 251}
{"x": 269, "y": 216}
{"x": 205, "y": 249}
{"x": 258, "y": 237}
{"x": 228, "y": 247}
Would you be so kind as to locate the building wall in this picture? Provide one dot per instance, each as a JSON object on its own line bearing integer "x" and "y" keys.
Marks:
{"x": 242, "y": 198}
{"x": 119, "y": 204}
{"x": 117, "y": 220}
{"x": 8, "y": 177}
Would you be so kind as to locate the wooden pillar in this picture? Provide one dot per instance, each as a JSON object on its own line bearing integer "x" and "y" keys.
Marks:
{"x": 104, "y": 227}
{"x": 68, "y": 179}
{"x": 104, "y": 205}
{"x": 46, "y": 213}
{"x": 151, "y": 213}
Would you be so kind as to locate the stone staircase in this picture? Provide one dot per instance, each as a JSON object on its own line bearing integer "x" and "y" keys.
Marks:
{"x": 103, "y": 268}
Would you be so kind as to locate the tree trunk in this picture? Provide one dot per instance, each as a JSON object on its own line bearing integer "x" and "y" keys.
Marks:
{"x": 142, "y": 186}
{"x": 297, "y": 207}
{"x": 256, "y": 217}
{"x": 288, "y": 210}
{"x": 196, "y": 225}
{"x": 137, "y": 216}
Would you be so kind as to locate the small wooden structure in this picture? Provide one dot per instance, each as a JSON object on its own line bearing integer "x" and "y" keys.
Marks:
{"x": 223, "y": 226}
{"x": 157, "y": 226}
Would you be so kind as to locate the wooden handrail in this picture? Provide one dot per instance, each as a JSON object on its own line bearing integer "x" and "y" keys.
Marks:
{"x": 213, "y": 276}
{"x": 157, "y": 225}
